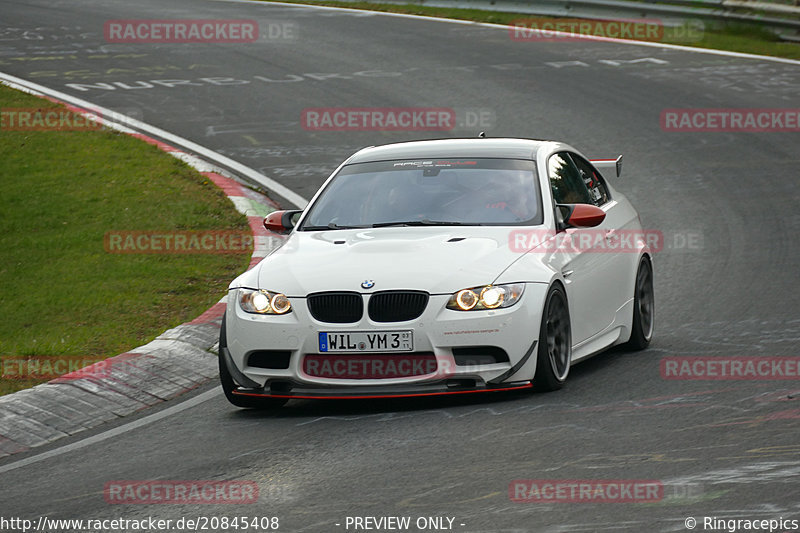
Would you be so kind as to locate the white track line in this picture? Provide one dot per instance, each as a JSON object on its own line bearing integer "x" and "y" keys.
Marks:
{"x": 206, "y": 153}
{"x": 119, "y": 430}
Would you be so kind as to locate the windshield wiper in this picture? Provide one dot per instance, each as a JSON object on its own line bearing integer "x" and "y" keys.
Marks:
{"x": 330, "y": 226}
{"x": 423, "y": 222}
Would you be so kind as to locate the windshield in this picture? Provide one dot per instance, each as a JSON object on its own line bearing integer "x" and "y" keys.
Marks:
{"x": 429, "y": 192}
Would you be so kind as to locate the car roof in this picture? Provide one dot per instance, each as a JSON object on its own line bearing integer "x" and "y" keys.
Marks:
{"x": 503, "y": 148}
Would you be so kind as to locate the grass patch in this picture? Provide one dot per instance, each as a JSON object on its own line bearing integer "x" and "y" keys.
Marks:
{"x": 735, "y": 37}
{"x": 62, "y": 293}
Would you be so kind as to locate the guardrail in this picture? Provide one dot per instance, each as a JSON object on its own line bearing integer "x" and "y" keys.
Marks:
{"x": 674, "y": 12}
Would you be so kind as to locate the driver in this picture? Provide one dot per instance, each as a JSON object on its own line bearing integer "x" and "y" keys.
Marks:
{"x": 513, "y": 198}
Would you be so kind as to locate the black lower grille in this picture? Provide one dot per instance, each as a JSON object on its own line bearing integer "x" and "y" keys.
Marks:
{"x": 336, "y": 307}
{"x": 274, "y": 359}
{"x": 397, "y": 306}
{"x": 479, "y": 355}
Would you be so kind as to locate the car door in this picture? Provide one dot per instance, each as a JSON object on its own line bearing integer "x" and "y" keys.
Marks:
{"x": 580, "y": 257}
{"x": 616, "y": 247}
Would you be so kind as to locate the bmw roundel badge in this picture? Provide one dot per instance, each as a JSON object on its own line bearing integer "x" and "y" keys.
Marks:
{"x": 367, "y": 284}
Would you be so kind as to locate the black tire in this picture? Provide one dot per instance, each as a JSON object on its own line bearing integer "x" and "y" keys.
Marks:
{"x": 643, "y": 307}
{"x": 554, "y": 353}
{"x": 228, "y": 384}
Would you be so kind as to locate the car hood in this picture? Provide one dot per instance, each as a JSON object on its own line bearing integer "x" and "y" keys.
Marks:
{"x": 438, "y": 260}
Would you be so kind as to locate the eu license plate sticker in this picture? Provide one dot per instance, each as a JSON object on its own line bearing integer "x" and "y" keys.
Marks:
{"x": 366, "y": 341}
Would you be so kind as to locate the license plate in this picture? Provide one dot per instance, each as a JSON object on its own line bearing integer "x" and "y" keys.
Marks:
{"x": 366, "y": 341}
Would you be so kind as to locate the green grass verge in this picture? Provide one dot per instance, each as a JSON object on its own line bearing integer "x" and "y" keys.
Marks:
{"x": 738, "y": 37}
{"x": 61, "y": 293}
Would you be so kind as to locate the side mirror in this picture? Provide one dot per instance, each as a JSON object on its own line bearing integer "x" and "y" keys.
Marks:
{"x": 281, "y": 222}
{"x": 578, "y": 216}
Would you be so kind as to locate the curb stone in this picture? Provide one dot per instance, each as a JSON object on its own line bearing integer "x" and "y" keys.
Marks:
{"x": 175, "y": 362}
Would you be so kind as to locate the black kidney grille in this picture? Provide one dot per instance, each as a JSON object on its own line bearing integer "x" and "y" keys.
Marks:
{"x": 397, "y": 306}
{"x": 336, "y": 307}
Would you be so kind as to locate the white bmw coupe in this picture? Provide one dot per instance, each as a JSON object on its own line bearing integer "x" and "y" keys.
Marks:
{"x": 441, "y": 267}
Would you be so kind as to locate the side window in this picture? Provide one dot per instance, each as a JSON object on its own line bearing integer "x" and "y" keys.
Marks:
{"x": 593, "y": 180}
{"x": 566, "y": 182}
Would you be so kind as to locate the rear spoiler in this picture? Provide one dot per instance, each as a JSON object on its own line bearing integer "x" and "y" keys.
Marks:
{"x": 608, "y": 165}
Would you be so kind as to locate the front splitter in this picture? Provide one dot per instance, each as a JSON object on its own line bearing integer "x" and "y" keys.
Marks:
{"x": 303, "y": 392}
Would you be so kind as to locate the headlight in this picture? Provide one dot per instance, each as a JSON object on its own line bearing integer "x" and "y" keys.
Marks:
{"x": 486, "y": 297}
{"x": 264, "y": 302}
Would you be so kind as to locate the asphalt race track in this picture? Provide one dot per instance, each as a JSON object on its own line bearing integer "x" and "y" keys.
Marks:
{"x": 726, "y": 280}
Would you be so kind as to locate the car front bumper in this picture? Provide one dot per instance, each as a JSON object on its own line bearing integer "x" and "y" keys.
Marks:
{"x": 439, "y": 334}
